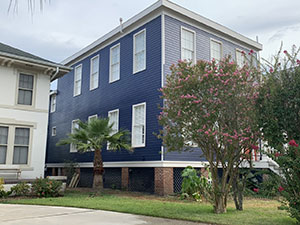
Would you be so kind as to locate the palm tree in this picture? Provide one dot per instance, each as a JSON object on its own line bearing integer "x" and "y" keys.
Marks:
{"x": 92, "y": 136}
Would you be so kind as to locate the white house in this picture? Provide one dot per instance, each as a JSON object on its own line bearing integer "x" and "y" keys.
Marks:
{"x": 24, "y": 103}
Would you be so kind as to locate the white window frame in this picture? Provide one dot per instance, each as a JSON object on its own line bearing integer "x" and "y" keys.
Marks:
{"x": 134, "y": 53}
{"x": 7, "y": 142}
{"x": 181, "y": 45}
{"x": 53, "y": 131}
{"x": 33, "y": 89}
{"x": 74, "y": 77}
{"x": 132, "y": 128}
{"x": 11, "y": 144}
{"x": 92, "y": 72}
{"x": 110, "y": 61}
{"x": 221, "y": 48}
{"x": 95, "y": 116}
{"x": 239, "y": 51}
{"x": 108, "y": 115}
{"x": 53, "y": 103}
{"x": 72, "y": 147}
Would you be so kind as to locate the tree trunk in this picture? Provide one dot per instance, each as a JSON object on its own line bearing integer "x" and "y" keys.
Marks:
{"x": 98, "y": 170}
{"x": 237, "y": 194}
{"x": 220, "y": 204}
{"x": 238, "y": 188}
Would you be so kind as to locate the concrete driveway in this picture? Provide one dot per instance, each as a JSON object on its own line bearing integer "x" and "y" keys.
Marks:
{"x": 48, "y": 215}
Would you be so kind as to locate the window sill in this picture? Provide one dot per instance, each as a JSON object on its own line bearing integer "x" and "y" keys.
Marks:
{"x": 138, "y": 71}
{"x": 113, "y": 81}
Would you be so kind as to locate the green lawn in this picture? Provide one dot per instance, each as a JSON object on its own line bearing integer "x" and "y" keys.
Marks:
{"x": 257, "y": 211}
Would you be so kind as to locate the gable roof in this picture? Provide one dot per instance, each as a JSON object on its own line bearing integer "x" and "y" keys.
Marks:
{"x": 167, "y": 6}
{"x": 8, "y": 53}
{"x": 14, "y": 51}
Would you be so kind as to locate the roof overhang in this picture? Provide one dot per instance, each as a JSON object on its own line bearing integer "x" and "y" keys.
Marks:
{"x": 164, "y": 6}
{"x": 52, "y": 69}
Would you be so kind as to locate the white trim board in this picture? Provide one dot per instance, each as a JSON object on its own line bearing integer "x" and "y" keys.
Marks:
{"x": 137, "y": 164}
{"x": 160, "y": 5}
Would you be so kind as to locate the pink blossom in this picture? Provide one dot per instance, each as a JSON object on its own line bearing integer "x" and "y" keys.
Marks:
{"x": 293, "y": 143}
{"x": 179, "y": 113}
{"x": 271, "y": 70}
{"x": 285, "y": 52}
{"x": 206, "y": 132}
{"x": 280, "y": 189}
{"x": 251, "y": 51}
{"x": 298, "y": 61}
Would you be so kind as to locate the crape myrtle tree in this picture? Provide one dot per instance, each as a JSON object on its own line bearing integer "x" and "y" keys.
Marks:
{"x": 212, "y": 105}
{"x": 93, "y": 136}
{"x": 279, "y": 117}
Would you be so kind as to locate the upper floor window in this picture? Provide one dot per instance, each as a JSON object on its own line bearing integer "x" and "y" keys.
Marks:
{"x": 188, "y": 45}
{"x": 114, "y": 72}
{"x": 139, "y": 125}
{"x": 215, "y": 50}
{"x": 25, "y": 89}
{"x": 3, "y": 144}
{"x": 53, "y": 103}
{"x": 240, "y": 58}
{"x": 77, "y": 80}
{"x": 94, "y": 75}
{"x": 113, "y": 117}
{"x": 75, "y": 126}
{"x": 139, "y": 51}
{"x": 21, "y": 146}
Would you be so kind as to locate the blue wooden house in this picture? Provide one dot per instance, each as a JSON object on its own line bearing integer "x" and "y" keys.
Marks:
{"x": 119, "y": 76}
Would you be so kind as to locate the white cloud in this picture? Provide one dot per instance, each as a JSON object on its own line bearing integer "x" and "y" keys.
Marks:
{"x": 64, "y": 27}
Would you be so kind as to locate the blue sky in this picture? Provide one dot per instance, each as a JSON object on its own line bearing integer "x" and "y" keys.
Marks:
{"x": 66, "y": 26}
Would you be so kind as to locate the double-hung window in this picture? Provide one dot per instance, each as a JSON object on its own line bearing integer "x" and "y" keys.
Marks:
{"x": 139, "y": 125}
{"x": 240, "y": 58}
{"x": 114, "y": 122}
{"x": 139, "y": 54}
{"x": 188, "y": 45}
{"x": 215, "y": 50}
{"x": 93, "y": 117}
{"x": 77, "y": 80}
{"x": 3, "y": 144}
{"x": 21, "y": 145}
{"x": 25, "y": 89}
{"x": 53, "y": 103}
{"x": 94, "y": 74}
{"x": 75, "y": 125}
{"x": 114, "y": 72}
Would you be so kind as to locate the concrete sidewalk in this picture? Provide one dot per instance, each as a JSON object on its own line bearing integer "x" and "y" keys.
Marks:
{"x": 48, "y": 215}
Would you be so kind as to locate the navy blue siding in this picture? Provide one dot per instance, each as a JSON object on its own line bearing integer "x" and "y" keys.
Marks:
{"x": 173, "y": 54}
{"x": 129, "y": 90}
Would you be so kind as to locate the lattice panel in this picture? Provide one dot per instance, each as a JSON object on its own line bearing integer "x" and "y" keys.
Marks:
{"x": 141, "y": 179}
{"x": 112, "y": 178}
{"x": 177, "y": 179}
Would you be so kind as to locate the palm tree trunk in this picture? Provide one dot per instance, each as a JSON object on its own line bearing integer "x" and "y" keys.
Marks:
{"x": 98, "y": 170}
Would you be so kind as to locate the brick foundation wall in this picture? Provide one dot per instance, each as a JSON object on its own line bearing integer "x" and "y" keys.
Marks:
{"x": 163, "y": 179}
{"x": 125, "y": 178}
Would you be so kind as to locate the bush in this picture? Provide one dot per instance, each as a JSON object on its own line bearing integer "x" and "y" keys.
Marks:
{"x": 46, "y": 188}
{"x": 21, "y": 189}
{"x": 194, "y": 185}
{"x": 289, "y": 162}
{"x": 3, "y": 194}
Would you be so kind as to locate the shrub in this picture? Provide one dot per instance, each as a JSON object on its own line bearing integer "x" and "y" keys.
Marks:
{"x": 194, "y": 185}
{"x": 289, "y": 161}
{"x": 3, "y": 193}
{"x": 46, "y": 188}
{"x": 21, "y": 189}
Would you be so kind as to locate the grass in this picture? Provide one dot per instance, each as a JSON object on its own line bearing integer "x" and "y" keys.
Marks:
{"x": 256, "y": 212}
